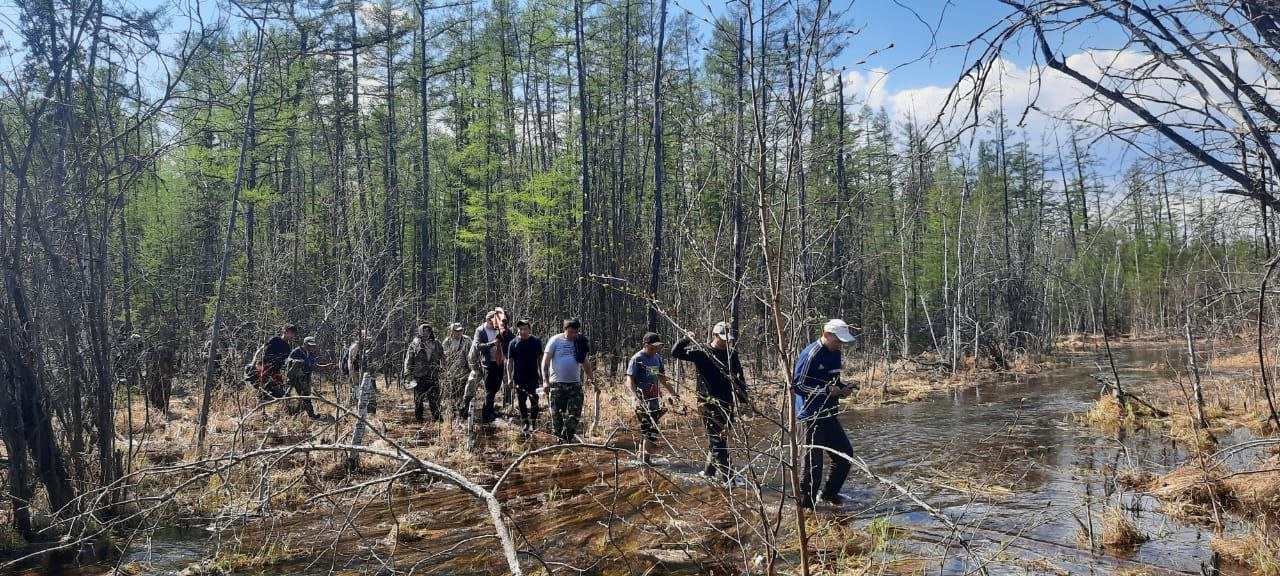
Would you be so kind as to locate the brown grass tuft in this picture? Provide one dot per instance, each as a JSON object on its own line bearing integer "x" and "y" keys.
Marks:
{"x": 1135, "y": 479}
{"x": 1110, "y": 417}
{"x": 1189, "y": 484}
{"x": 1256, "y": 549}
{"x": 1259, "y": 489}
{"x": 1119, "y": 530}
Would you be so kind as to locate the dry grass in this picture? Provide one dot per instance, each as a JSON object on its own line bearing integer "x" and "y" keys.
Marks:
{"x": 1135, "y": 479}
{"x": 1108, "y": 416}
{"x": 1186, "y": 432}
{"x": 1257, "y": 549}
{"x": 1119, "y": 530}
{"x": 1257, "y": 490}
{"x": 1190, "y": 484}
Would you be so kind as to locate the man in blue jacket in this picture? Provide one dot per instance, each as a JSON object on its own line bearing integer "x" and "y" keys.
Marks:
{"x": 818, "y": 391}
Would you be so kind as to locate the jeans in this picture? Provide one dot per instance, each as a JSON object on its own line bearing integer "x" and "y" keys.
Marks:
{"x": 825, "y": 431}
{"x": 527, "y": 400}
{"x": 493, "y": 375}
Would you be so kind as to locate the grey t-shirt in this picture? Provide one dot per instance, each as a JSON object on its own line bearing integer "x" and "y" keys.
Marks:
{"x": 564, "y": 362}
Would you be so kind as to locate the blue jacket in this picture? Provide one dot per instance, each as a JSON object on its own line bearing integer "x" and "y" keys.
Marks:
{"x": 817, "y": 371}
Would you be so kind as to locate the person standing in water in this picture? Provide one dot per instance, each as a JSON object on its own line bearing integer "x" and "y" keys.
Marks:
{"x": 818, "y": 389}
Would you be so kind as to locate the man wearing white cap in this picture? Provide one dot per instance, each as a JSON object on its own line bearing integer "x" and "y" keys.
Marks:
{"x": 818, "y": 391}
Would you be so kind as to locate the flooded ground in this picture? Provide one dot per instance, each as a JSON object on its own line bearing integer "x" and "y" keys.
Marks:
{"x": 1013, "y": 463}
{"x": 1010, "y": 464}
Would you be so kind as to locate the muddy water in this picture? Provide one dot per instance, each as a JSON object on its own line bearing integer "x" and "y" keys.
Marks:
{"x": 1011, "y": 460}
{"x": 1010, "y": 463}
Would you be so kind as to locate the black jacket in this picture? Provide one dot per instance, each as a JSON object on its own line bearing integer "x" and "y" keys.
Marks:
{"x": 720, "y": 377}
{"x": 276, "y": 353}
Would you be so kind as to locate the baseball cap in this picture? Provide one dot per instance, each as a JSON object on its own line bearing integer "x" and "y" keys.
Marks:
{"x": 840, "y": 329}
{"x": 721, "y": 329}
{"x": 651, "y": 338}
{"x": 423, "y": 326}
{"x": 456, "y": 326}
{"x": 309, "y": 340}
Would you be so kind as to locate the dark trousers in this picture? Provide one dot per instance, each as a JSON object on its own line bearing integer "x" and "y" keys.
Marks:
{"x": 527, "y": 400}
{"x": 827, "y": 432}
{"x": 717, "y": 418}
{"x": 428, "y": 390}
{"x": 493, "y": 374}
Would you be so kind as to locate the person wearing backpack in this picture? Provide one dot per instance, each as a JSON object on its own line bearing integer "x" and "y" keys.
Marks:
{"x": 270, "y": 363}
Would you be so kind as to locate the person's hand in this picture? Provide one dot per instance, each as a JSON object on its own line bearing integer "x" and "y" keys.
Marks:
{"x": 690, "y": 335}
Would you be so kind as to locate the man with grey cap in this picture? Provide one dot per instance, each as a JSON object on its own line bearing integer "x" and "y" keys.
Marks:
{"x": 721, "y": 387}
{"x": 298, "y": 369}
{"x": 456, "y": 347}
{"x": 423, "y": 362}
{"x": 818, "y": 389}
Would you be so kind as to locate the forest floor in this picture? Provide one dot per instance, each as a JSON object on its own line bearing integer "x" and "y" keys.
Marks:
{"x": 267, "y": 502}
{"x": 586, "y": 507}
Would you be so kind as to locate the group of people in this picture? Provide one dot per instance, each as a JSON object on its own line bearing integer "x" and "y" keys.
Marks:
{"x": 446, "y": 376}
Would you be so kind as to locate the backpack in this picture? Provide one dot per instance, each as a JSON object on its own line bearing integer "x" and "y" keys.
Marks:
{"x": 253, "y": 370}
{"x": 581, "y": 348}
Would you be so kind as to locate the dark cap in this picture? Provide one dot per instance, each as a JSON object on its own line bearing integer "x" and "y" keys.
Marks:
{"x": 651, "y": 338}
{"x": 522, "y": 322}
{"x": 291, "y": 328}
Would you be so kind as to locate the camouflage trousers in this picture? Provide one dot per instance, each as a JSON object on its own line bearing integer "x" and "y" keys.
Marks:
{"x": 566, "y": 409}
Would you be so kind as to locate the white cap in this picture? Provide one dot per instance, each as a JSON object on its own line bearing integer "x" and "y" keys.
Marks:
{"x": 721, "y": 329}
{"x": 839, "y": 328}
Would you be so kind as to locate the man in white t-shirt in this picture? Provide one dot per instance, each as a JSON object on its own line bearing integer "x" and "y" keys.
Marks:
{"x": 563, "y": 374}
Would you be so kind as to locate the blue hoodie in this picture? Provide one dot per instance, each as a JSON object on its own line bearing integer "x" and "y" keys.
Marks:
{"x": 817, "y": 370}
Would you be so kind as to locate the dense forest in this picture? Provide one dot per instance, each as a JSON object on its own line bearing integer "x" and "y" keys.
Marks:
{"x": 183, "y": 179}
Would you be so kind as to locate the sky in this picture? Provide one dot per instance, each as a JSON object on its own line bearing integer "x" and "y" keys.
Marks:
{"x": 907, "y": 54}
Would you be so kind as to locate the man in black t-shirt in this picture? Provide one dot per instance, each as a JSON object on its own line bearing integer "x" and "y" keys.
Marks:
{"x": 524, "y": 356}
{"x": 271, "y": 368}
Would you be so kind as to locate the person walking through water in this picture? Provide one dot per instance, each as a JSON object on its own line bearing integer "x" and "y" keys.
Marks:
{"x": 818, "y": 389}
{"x": 491, "y": 340}
{"x": 645, "y": 373}
{"x": 423, "y": 362}
{"x": 524, "y": 355}
{"x": 721, "y": 387}
{"x": 562, "y": 376}
{"x": 457, "y": 347}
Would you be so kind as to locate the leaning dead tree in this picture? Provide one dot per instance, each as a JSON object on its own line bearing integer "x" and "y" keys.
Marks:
{"x": 1197, "y": 74}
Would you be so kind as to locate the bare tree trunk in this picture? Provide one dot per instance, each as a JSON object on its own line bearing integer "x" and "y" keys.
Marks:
{"x": 655, "y": 264}
{"x": 216, "y": 324}
{"x": 584, "y": 263}
{"x": 739, "y": 232}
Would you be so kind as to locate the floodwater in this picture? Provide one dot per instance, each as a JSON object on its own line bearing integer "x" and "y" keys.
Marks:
{"x": 1027, "y": 437}
{"x": 1011, "y": 464}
